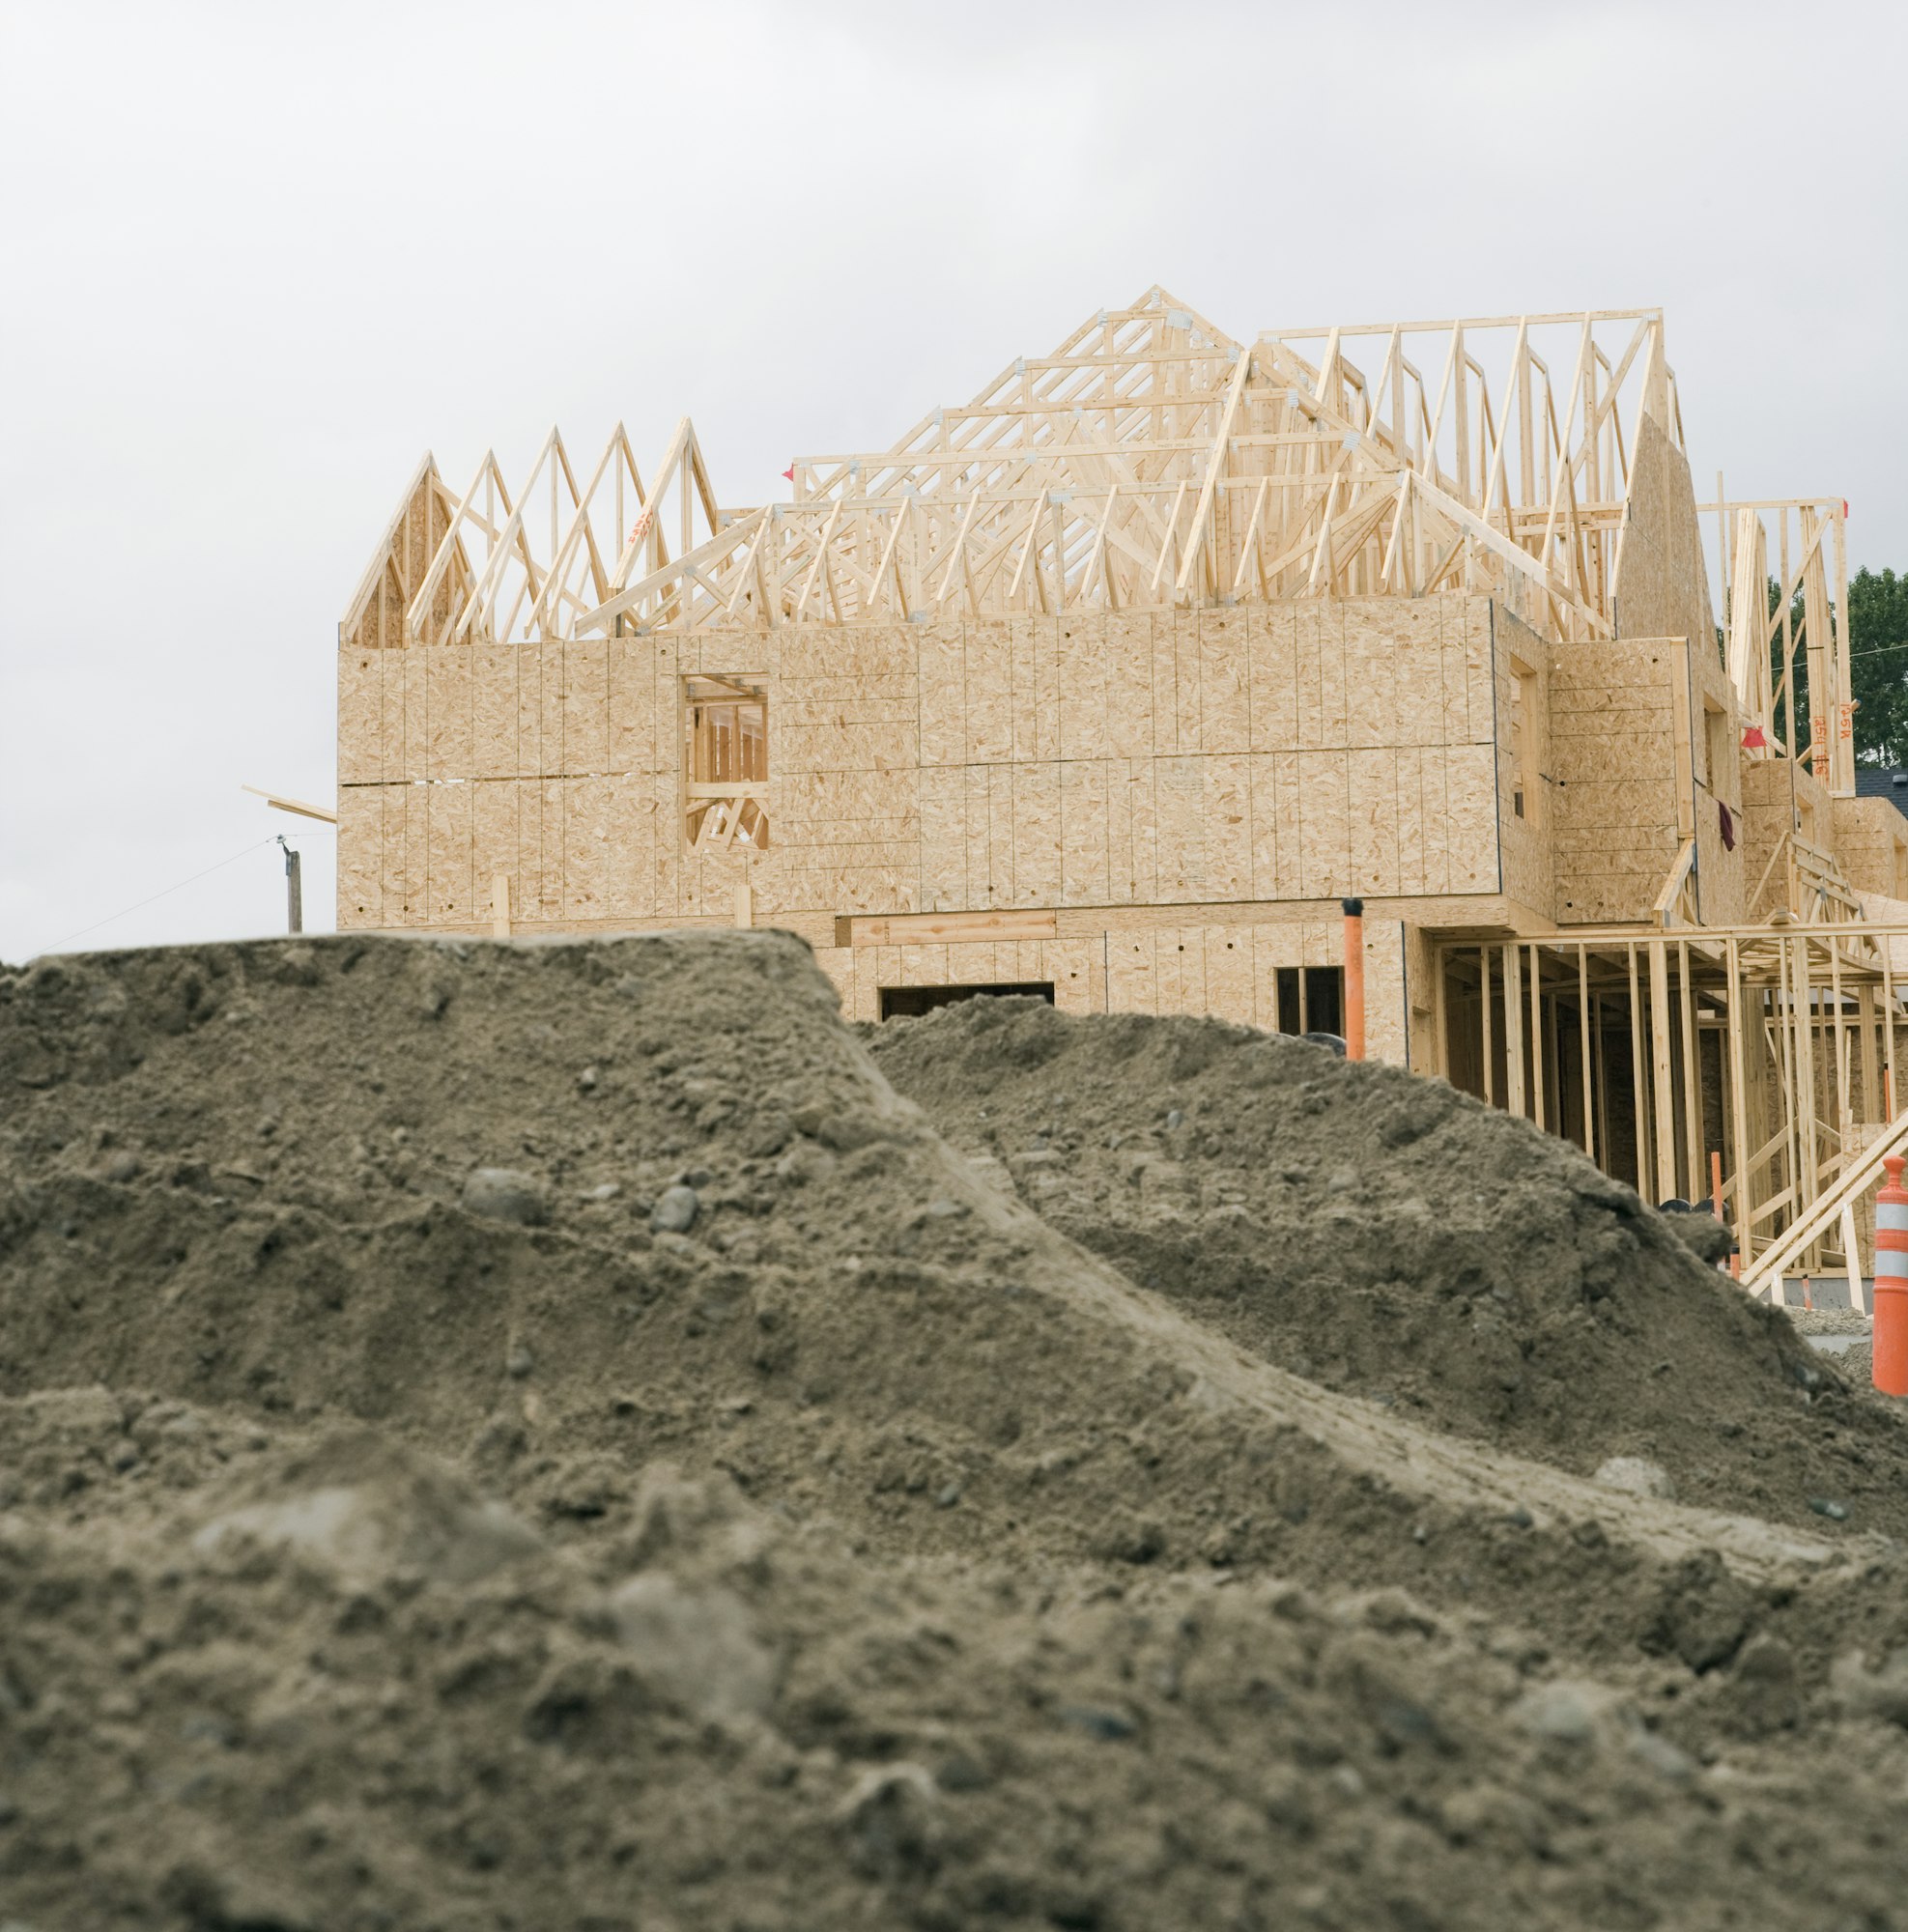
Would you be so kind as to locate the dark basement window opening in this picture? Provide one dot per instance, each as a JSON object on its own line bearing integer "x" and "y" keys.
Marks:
{"x": 1311, "y": 999}
{"x": 910, "y": 1003}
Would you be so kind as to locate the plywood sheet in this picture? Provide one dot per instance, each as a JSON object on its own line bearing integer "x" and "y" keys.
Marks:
{"x": 1178, "y": 829}
{"x": 641, "y": 715}
{"x": 943, "y": 862}
{"x": 1131, "y": 986}
{"x": 448, "y": 811}
{"x": 1129, "y": 681}
{"x": 1229, "y": 979}
{"x": 1037, "y": 834}
{"x": 360, "y": 855}
{"x": 988, "y": 658}
{"x": 1081, "y": 651}
{"x": 360, "y": 746}
{"x": 1188, "y": 678}
{"x": 494, "y": 711}
{"x": 1324, "y": 831}
{"x": 1471, "y": 807}
{"x": 1073, "y": 965}
{"x": 980, "y": 890}
{"x": 448, "y": 711}
{"x": 1272, "y": 676}
{"x": 492, "y": 841}
{"x": 1225, "y": 653}
{"x": 1373, "y": 807}
{"x": 586, "y": 705}
{"x": 532, "y": 751}
{"x": 585, "y": 847}
{"x": 417, "y": 711}
{"x": 941, "y": 703}
{"x": 1225, "y": 818}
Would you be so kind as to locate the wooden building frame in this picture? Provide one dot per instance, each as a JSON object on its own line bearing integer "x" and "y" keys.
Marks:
{"x": 1116, "y": 677}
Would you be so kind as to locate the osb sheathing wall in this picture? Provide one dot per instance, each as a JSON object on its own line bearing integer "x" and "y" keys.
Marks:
{"x": 1528, "y": 870}
{"x": 1268, "y": 753}
{"x": 1631, "y": 778}
{"x": 1778, "y": 796}
{"x": 1661, "y": 585}
{"x": 1872, "y": 846}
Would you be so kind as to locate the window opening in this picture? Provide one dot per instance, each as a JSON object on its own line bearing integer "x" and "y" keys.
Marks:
{"x": 1311, "y": 999}
{"x": 1718, "y": 748}
{"x": 1523, "y": 740}
{"x": 726, "y": 763}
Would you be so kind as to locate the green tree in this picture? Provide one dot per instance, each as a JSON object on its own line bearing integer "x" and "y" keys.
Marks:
{"x": 1877, "y": 665}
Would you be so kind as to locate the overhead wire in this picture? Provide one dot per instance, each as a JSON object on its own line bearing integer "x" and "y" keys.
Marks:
{"x": 163, "y": 893}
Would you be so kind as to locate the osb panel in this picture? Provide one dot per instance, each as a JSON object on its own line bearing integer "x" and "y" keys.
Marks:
{"x": 585, "y": 686}
{"x": 638, "y": 720}
{"x": 448, "y": 711}
{"x": 494, "y": 711}
{"x": 1867, "y": 833}
{"x": 360, "y": 715}
{"x": 533, "y": 757}
{"x": 447, "y": 809}
{"x": 1082, "y": 655}
{"x": 1610, "y": 749}
{"x": 585, "y": 847}
{"x": 1130, "y": 655}
{"x": 360, "y": 855}
{"x": 494, "y": 834}
{"x": 1661, "y": 585}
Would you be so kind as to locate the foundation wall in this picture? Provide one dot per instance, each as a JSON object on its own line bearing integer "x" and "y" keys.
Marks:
{"x": 1225, "y": 971}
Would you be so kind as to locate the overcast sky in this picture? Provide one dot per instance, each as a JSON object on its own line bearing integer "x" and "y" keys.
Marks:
{"x": 258, "y": 258}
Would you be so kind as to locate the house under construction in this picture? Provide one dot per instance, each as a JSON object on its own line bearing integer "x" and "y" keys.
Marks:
{"x": 1113, "y": 682}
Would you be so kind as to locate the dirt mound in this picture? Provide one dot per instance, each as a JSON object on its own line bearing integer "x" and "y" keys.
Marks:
{"x": 295, "y": 1682}
{"x": 238, "y": 1176}
{"x": 1380, "y": 1233}
{"x": 959, "y": 1608}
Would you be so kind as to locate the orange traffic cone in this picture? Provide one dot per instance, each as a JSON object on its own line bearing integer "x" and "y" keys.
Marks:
{"x": 1891, "y": 1340}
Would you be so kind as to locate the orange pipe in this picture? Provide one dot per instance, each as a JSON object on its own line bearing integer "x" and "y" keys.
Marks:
{"x": 1354, "y": 978}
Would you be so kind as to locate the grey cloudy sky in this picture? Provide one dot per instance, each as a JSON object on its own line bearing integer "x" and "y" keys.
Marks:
{"x": 257, "y": 258}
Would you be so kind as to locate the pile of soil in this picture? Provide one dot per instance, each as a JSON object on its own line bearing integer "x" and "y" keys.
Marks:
{"x": 544, "y": 1436}
{"x": 1380, "y": 1233}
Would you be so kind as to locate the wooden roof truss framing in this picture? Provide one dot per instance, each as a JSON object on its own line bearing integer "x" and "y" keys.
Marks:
{"x": 1799, "y": 545}
{"x": 1150, "y": 460}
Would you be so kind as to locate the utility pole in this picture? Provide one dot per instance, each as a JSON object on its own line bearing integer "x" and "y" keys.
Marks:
{"x": 294, "y": 888}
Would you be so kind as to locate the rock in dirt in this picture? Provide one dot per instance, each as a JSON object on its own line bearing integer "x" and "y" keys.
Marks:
{"x": 675, "y": 1209}
{"x": 1637, "y": 1474}
{"x": 504, "y": 1194}
{"x": 699, "y": 1646}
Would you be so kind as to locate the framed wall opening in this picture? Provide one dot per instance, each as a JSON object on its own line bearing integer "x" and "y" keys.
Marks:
{"x": 1311, "y": 999}
{"x": 724, "y": 762}
{"x": 1526, "y": 790}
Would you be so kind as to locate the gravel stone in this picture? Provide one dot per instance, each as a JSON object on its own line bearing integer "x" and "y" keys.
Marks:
{"x": 675, "y": 1210}
{"x": 504, "y": 1194}
{"x": 1638, "y": 1475}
